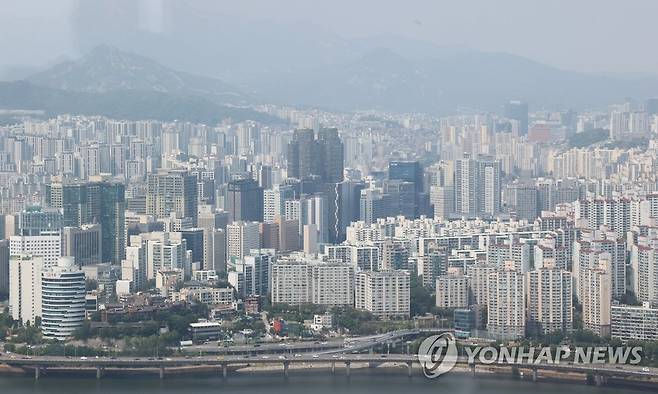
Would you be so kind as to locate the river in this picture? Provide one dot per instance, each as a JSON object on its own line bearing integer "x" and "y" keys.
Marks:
{"x": 298, "y": 383}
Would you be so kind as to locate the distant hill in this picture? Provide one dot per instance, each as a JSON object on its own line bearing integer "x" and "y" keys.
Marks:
{"x": 121, "y": 104}
{"x": 304, "y": 64}
{"x": 107, "y": 69}
{"x": 343, "y": 75}
{"x": 443, "y": 81}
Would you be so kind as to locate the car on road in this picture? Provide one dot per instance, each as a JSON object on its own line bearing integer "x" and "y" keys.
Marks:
{"x": 316, "y": 356}
{"x": 645, "y": 369}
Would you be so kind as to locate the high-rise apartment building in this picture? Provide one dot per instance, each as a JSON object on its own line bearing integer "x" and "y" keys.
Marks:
{"x": 506, "y": 304}
{"x": 478, "y": 186}
{"x": 172, "y": 191}
{"x": 307, "y": 281}
{"x": 241, "y": 238}
{"x": 549, "y": 300}
{"x": 597, "y": 299}
{"x": 25, "y": 287}
{"x": 385, "y": 294}
{"x": 452, "y": 290}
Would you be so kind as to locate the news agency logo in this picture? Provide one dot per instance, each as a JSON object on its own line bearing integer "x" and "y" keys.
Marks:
{"x": 437, "y": 354}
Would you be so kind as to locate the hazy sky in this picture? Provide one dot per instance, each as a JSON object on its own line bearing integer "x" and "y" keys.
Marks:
{"x": 583, "y": 35}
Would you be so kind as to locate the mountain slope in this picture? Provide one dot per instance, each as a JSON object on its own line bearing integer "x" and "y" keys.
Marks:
{"x": 107, "y": 69}
{"x": 445, "y": 81}
{"x": 121, "y": 104}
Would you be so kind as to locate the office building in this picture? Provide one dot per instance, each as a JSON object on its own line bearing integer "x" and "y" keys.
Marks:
{"x": 62, "y": 300}
{"x": 322, "y": 157}
{"x": 133, "y": 268}
{"x": 409, "y": 171}
{"x": 83, "y": 243}
{"x": 274, "y": 202}
{"x": 36, "y": 220}
{"x": 98, "y": 201}
{"x": 244, "y": 200}
{"x": 47, "y": 246}
{"x": 518, "y": 111}
{"x": 194, "y": 241}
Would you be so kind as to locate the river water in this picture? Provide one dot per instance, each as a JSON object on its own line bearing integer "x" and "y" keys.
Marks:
{"x": 298, "y": 383}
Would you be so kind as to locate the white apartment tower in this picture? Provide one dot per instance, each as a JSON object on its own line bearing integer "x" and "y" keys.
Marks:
{"x": 506, "y": 309}
{"x": 385, "y": 294}
{"x": 597, "y": 300}
{"x": 241, "y": 237}
{"x": 549, "y": 299}
{"x": 25, "y": 287}
{"x": 452, "y": 290}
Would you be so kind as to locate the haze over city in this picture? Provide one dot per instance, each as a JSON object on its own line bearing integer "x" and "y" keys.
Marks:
{"x": 296, "y": 196}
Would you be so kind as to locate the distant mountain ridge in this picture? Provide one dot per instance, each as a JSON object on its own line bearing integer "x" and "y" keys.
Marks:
{"x": 421, "y": 78}
{"x": 106, "y": 69}
{"x": 122, "y": 104}
{"x": 445, "y": 82}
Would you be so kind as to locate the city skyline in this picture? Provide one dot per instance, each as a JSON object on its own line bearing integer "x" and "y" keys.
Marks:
{"x": 221, "y": 189}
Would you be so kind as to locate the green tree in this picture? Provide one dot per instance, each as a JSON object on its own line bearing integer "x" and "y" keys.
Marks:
{"x": 422, "y": 300}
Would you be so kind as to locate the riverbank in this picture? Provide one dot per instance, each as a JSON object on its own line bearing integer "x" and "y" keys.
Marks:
{"x": 364, "y": 381}
{"x": 297, "y": 370}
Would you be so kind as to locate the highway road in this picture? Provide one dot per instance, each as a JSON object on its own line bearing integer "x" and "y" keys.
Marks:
{"x": 331, "y": 346}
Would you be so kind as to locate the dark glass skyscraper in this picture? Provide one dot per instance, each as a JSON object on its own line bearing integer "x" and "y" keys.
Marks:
{"x": 332, "y": 155}
{"x": 194, "y": 238}
{"x": 100, "y": 202}
{"x": 322, "y": 157}
{"x": 244, "y": 200}
{"x": 518, "y": 110}
{"x": 35, "y": 221}
{"x": 409, "y": 171}
{"x": 303, "y": 155}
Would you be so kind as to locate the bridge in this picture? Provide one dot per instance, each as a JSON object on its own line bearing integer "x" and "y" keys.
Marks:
{"x": 349, "y": 345}
{"x": 39, "y": 364}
